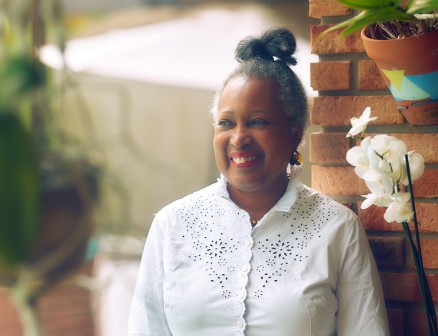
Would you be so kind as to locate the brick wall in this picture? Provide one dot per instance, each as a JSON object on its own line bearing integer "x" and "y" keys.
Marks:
{"x": 65, "y": 310}
{"x": 348, "y": 81}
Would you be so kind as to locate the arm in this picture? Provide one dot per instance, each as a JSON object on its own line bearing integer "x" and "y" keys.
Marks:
{"x": 147, "y": 316}
{"x": 361, "y": 304}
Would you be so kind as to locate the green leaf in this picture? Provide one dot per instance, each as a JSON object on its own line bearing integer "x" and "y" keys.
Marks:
{"x": 22, "y": 75}
{"x": 19, "y": 190}
{"x": 422, "y": 6}
{"x": 368, "y": 4}
{"x": 368, "y": 17}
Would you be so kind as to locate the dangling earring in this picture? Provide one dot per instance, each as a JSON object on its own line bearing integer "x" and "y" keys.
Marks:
{"x": 296, "y": 159}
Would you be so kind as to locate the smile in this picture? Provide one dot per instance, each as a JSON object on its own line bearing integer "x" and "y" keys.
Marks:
{"x": 241, "y": 160}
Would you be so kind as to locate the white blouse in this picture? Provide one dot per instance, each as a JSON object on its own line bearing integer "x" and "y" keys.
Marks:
{"x": 305, "y": 269}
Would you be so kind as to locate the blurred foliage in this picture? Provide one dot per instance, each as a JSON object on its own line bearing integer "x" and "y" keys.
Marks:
{"x": 21, "y": 76}
{"x": 19, "y": 190}
{"x": 400, "y": 16}
{"x": 31, "y": 166}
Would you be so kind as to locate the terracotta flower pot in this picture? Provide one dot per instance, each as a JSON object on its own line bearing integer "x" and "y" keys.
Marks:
{"x": 410, "y": 69}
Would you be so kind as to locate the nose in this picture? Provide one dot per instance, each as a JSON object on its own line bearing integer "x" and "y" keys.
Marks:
{"x": 241, "y": 137}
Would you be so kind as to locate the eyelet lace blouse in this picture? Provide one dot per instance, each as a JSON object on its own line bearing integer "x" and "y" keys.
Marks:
{"x": 305, "y": 269}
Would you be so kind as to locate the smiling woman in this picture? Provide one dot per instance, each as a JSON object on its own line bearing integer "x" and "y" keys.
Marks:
{"x": 253, "y": 142}
{"x": 258, "y": 253}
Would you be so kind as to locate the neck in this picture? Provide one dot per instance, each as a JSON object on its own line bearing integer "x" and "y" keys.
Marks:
{"x": 257, "y": 203}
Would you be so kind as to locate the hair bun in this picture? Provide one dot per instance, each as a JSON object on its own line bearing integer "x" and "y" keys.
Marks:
{"x": 274, "y": 43}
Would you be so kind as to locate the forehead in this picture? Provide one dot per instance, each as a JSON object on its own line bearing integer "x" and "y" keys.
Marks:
{"x": 249, "y": 94}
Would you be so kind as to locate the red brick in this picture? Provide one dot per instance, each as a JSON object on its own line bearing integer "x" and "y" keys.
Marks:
{"x": 337, "y": 181}
{"x": 369, "y": 76}
{"x": 334, "y": 111}
{"x": 320, "y": 8}
{"x": 427, "y": 184}
{"x": 429, "y": 251}
{"x": 424, "y": 143}
{"x": 330, "y": 75}
{"x": 427, "y": 216}
{"x": 64, "y": 310}
{"x": 328, "y": 147}
{"x": 418, "y": 323}
{"x": 388, "y": 251}
{"x": 396, "y": 319}
{"x": 332, "y": 42}
{"x": 372, "y": 218}
{"x": 404, "y": 286}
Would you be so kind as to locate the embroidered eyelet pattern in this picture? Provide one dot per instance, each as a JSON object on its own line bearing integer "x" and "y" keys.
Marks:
{"x": 300, "y": 227}
{"x": 240, "y": 262}
{"x": 209, "y": 247}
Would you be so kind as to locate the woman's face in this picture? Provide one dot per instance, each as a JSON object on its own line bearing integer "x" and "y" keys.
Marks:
{"x": 252, "y": 140}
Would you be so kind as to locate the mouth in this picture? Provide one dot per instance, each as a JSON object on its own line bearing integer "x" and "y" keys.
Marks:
{"x": 243, "y": 159}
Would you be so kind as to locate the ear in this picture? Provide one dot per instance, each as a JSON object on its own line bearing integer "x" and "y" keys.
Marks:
{"x": 296, "y": 136}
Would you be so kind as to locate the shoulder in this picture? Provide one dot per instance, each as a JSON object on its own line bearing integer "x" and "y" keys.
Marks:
{"x": 320, "y": 201}
{"x": 323, "y": 212}
{"x": 188, "y": 213}
{"x": 195, "y": 202}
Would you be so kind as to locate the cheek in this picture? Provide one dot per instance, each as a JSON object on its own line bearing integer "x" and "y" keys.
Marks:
{"x": 280, "y": 146}
{"x": 219, "y": 146}
{"x": 275, "y": 141}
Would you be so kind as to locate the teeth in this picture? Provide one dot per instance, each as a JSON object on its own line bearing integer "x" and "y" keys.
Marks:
{"x": 241, "y": 160}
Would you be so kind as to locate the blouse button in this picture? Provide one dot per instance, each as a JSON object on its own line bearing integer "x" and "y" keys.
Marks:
{"x": 245, "y": 268}
{"x": 248, "y": 243}
{"x": 240, "y": 323}
{"x": 241, "y": 294}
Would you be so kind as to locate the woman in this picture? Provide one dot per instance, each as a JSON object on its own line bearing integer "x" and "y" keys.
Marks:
{"x": 258, "y": 253}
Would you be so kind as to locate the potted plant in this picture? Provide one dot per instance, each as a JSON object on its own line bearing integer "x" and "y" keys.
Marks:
{"x": 47, "y": 195}
{"x": 402, "y": 38}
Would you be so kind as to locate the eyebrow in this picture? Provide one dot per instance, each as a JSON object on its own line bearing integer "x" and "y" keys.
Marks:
{"x": 227, "y": 112}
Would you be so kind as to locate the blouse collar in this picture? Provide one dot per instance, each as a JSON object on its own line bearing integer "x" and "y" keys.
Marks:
{"x": 285, "y": 202}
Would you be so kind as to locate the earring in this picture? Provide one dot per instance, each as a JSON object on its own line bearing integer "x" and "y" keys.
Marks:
{"x": 296, "y": 159}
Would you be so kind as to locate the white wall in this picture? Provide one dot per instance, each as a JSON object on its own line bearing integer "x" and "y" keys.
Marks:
{"x": 80, "y": 6}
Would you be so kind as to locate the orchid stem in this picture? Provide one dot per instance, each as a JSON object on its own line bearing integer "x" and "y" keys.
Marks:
{"x": 411, "y": 191}
{"x": 423, "y": 283}
{"x": 418, "y": 259}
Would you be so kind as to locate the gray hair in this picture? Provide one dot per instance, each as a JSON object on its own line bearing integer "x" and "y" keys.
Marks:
{"x": 269, "y": 57}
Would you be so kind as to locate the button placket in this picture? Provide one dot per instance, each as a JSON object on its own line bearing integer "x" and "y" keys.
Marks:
{"x": 240, "y": 323}
{"x": 245, "y": 244}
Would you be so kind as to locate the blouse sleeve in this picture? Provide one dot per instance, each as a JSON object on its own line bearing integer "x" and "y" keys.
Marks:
{"x": 361, "y": 308}
{"x": 147, "y": 316}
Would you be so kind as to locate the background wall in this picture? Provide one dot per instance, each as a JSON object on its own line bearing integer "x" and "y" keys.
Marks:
{"x": 348, "y": 81}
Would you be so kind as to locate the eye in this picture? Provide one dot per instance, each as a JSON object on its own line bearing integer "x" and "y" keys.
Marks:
{"x": 225, "y": 123}
{"x": 258, "y": 122}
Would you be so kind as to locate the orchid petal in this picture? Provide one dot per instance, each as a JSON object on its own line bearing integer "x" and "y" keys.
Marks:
{"x": 359, "y": 124}
{"x": 416, "y": 165}
{"x": 399, "y": 212}
{"x": 355, "y": 156}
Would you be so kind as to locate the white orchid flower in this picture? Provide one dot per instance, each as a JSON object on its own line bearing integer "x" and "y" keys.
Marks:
{"x": 357, "y": 157}
{"x": 373, "y": 199}
{"x": 380, "y": 193}
{"x": 388, "y": 146}
{"x": 379, "y": 184}
{"x": 360, "y": 124}
{"x": 400, "y": 210}
{"x": 416, "y": 165}
{"x": 386, "y": 154}
{"x": 377, "y": 163}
